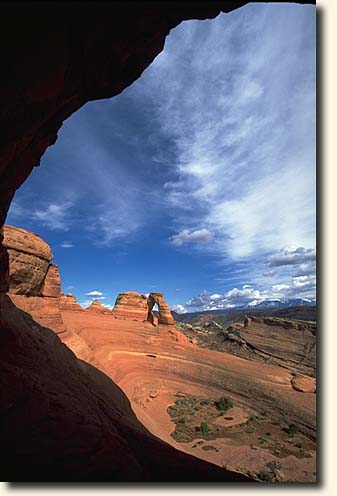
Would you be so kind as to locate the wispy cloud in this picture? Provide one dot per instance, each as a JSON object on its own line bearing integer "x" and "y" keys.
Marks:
{"x": 67, "y": 244}
{"x": 186, "y": 236}
{"x": 54, "y": 216}
{"x": 242, "y": 123}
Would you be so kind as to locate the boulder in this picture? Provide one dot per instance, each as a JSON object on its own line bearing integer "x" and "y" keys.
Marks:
{"x": 304, "y": 384}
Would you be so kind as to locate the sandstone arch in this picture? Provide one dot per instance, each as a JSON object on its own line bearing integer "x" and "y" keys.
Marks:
{"x": 165, "y": 316}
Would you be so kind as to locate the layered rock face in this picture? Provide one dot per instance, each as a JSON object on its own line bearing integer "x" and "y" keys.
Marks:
{"x": 29, "y": 258}
{"x": 96, "y": 307}
{"x": 34, "y": 283}
{"x": 131, "y": 305}
{"x": 165, "y": 316}
{"x": 289, "y": 343}
{"x": 52, "y": 283}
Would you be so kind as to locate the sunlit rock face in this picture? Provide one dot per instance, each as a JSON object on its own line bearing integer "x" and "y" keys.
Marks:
{"x": 135, "y": 306}
{"x": 34, "y": 283}
{"x": 29, "y": 258}
{"x": 164, "y": 315}
{"x": 131, "y": 305}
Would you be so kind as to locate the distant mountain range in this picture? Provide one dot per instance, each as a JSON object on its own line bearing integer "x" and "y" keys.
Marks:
{"x": 296, "y": 308}
{"x": 280, "y": 303}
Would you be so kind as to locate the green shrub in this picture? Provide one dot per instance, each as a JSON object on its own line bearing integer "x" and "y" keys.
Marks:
{"x": 224, "y": 404}
{"x": 292, "y": 430}
{"x": 204, "y": 428}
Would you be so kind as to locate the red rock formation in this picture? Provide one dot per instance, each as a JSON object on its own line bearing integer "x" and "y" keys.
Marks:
{"x": 64, "y": 420}
{"x": 96, "y": 307}
{"x": 34, "y": 284}
{"x": 29, "y": 258}
{"x": 287, "y": 342}
{"x": 46, "y": 311}
{"x": 153, "y": 364}
{"x": 53, "y": 65}
{"x": 304, "y": 384}
{"x": 164, "y": 316}
{"x": 52, "y": 283}
{"x": 69, "y": 302}
{"x": 130, "y": 305}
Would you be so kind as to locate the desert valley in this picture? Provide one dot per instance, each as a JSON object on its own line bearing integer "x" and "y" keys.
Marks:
{"x": 246, "y": 405}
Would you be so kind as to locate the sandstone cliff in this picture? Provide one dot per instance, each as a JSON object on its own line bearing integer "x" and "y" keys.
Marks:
{"x": 34, "y": 283}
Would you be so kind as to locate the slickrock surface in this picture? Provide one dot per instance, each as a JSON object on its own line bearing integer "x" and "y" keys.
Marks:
{"x": 69, "y": 302}
{"x": 96, "y": 307}
{"x": 131, "y": 305}
{"x": 46, "y": 311}
{"x": 64, "y": 420}
{"x": 164, "y": 315}
{"x": 29, "y": 258}
{"x": 289, "y": 343}
{"x": 153, "y": 366}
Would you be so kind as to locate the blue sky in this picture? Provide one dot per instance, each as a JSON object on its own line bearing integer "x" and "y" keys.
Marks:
{"x": 199, "y": 179}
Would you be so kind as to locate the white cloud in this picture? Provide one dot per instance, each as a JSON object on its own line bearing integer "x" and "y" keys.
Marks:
{"x": 94, "y": 293}
{"x": 179, "y": 308}
{"x": 186, "y": 236}
{"x": 300, "y": 287}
